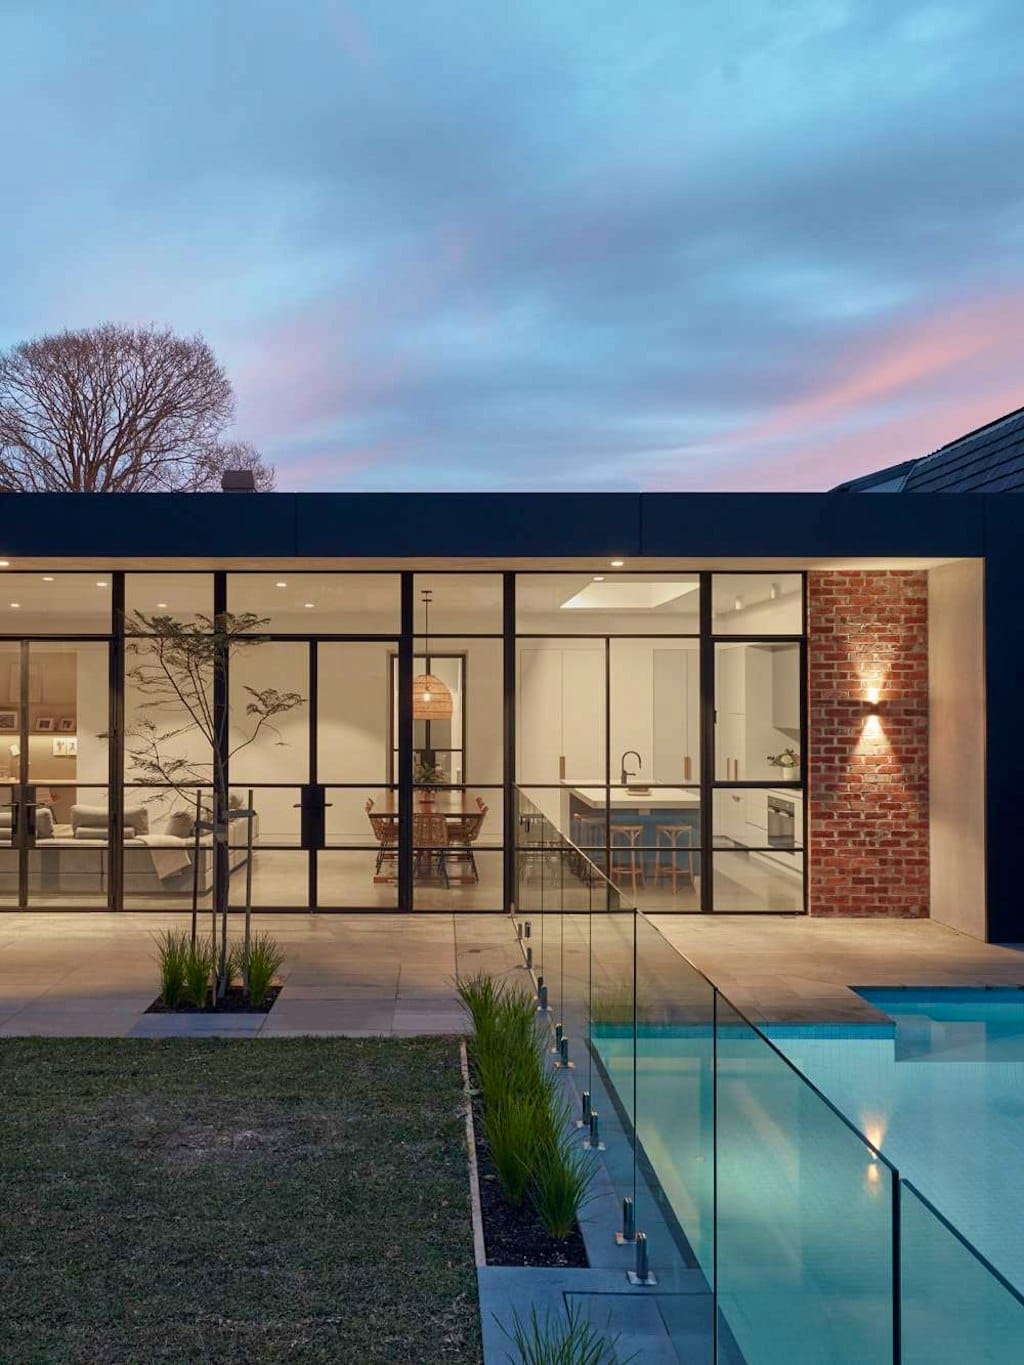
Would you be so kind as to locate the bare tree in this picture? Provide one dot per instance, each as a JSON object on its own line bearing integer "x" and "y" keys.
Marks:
{"x": 116, "y": 409}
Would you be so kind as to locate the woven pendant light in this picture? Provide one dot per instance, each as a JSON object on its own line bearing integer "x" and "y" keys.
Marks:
{"x": 431, "y": 699}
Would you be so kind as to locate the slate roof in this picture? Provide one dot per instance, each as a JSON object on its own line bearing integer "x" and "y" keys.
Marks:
{"x": 989, "y": 460}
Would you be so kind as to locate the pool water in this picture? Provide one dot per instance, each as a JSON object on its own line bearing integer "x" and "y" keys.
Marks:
{"x": 943, "y": 1098}
{"x": 804, "y": 1216}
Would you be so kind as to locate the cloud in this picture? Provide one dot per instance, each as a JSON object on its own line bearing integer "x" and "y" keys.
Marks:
{"x": 549, "y": 245}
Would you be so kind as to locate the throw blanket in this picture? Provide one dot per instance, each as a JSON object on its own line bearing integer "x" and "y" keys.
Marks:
{"x": 170, "y": 854}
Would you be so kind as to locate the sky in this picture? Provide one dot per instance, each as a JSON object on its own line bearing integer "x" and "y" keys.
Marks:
{"x": 548, "y": 244}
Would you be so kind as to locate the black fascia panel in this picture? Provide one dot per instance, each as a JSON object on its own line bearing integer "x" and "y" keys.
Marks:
{"x": 496, "y": 526}
{"x": 802, "y": 525}
{"x": 469, "y": 525}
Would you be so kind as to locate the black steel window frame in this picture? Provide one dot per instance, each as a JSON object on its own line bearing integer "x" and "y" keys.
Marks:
{"x": 708, "y": 782}
{"x": 120, "y": 633}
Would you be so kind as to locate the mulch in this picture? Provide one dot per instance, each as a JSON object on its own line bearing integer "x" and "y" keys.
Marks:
{"x": 235, "y": 1002}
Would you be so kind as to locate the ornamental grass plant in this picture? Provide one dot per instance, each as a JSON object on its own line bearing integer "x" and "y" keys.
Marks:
{"x": 524, "y": 1121}
{"x": 173, "y": 948}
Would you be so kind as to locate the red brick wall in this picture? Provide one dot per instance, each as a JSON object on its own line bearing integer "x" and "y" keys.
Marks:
{"x": 868, "y": 776}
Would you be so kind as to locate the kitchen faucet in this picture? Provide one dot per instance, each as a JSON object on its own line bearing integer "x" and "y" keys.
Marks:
{"x": 626, "y": 774}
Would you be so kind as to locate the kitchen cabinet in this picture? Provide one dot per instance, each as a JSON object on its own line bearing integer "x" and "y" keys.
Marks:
{"x": 786, "y": 688}
{"x": 676, "y": 715}
{"x": 560, "y": 696}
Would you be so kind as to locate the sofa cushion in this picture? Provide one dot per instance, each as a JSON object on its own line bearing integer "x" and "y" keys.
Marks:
{"x": 181, "y": 823}
{"x": 44, "y": 823}
{"x": 99, "y": 833}
{"x": 98, "y": 817}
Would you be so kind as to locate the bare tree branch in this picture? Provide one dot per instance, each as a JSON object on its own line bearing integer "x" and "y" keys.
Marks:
{"x": 116, "y": 409}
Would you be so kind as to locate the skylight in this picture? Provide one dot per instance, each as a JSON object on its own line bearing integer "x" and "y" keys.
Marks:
{"x": 619, "y": 594}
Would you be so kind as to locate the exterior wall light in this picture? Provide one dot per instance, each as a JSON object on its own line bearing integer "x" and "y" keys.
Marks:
{"x": 617, "y": 563}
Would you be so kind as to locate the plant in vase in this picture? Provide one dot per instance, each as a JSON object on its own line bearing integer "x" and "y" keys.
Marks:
{"x": 428, "y": 775}
{"x": 788, "y": 760}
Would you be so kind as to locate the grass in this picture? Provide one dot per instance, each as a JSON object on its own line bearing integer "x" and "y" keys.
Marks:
{"x": 264, "y": 1200}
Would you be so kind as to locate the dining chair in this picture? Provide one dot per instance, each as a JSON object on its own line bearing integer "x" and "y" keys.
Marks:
{"x": 430, "y": 841}
{"x": 463, "y": 834}
{"x": 385, "y": 831}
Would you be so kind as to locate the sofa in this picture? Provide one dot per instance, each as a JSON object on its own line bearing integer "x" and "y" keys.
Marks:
{"x": 69, "y": 859}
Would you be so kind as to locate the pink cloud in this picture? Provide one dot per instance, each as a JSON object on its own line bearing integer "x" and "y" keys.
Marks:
{"x": 896, "y": 398}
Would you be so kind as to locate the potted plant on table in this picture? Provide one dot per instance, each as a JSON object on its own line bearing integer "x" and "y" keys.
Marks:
{"x": 427, "y": 774}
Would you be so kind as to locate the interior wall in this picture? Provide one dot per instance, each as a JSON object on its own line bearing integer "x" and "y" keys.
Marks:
{"x": 956, "y": 698}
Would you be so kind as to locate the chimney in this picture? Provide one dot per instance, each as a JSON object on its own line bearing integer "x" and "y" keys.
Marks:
{"x": 238, "y": 481}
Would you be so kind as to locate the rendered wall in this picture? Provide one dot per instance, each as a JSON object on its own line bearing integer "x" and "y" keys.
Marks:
{"x": 956, "y": 628}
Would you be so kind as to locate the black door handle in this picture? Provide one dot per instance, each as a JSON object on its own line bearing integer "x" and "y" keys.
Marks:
{"x": 312, "y": 820}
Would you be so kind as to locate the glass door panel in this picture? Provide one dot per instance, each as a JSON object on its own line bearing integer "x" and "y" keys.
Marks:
{"x": 10, "y": 768}
{"x": 269, "y": 756}
{"x": 356, "y": 730}
{"x": 64, "y": 803}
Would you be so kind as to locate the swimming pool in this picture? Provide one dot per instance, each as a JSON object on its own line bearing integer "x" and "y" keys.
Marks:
{"x": 741, "y": 1146}
{"x": 942, "y": 1097}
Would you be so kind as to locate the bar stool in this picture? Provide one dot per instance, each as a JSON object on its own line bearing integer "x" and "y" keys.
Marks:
{"x": 669, "y": 842}
{"x": 627, "y": 860}
{"x": 591, "y": 834}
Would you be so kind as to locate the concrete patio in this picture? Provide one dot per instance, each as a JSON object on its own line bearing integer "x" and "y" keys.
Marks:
{"x": 389, "y": 974}
{"x": 95, "y": 974}
{"x": 801, "y": 970}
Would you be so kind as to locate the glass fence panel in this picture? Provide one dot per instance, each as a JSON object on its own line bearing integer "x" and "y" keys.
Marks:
{"x": 675, "y": 1114}
{"x": 804, "y": 1214}
{"x": 954, "y": 1308}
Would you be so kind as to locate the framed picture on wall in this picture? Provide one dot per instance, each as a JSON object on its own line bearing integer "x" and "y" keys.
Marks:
{"x": 8, "y": 721}
{"x": 65, "y": 747}
{"x": 66, "y": 725}
{"x": 46, "y": 724}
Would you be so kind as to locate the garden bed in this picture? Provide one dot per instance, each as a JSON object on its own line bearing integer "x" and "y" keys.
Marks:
{"x": 516, "y": 1236}
{"x": 532, "y": 1171}
{"x": 234, "y": 1001}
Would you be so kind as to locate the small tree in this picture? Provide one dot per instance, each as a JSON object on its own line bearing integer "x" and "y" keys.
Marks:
{"x": 116, "y": 409}
{"x": 178, "y": 667}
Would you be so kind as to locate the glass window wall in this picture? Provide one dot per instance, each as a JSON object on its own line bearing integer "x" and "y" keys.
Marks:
{"x": 657, "y": 727}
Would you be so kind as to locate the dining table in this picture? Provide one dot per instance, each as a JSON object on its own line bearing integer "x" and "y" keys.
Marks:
{"x": 455, "y": 804}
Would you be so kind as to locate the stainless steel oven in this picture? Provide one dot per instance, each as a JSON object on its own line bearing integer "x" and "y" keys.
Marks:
{"x": 781, "y": 822}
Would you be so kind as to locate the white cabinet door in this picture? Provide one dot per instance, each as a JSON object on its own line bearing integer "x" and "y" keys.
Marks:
{"x": 692, "y": 750}
{"x": 583, "y": 714}
{"x": 539, "y": 720}
{"x": 786, "y": 688}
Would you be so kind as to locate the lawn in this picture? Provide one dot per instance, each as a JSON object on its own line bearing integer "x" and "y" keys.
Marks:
{"x": 264, "y": 1200}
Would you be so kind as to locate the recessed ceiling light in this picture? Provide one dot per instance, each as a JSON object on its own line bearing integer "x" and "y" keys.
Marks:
{"x": 161, "y": 604}
{"x": 599, "y": 578}
{"x": 738, "y": 604}
{"x": 100, "y": 583}
{"x": 5, "y": 563}
{"x": 617, "y": 563}
{"x": 308, "y": 604}
{"x": 281, "y": 584}
{"x": 47, "y": 577}
{"x": 15, "y": 605}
